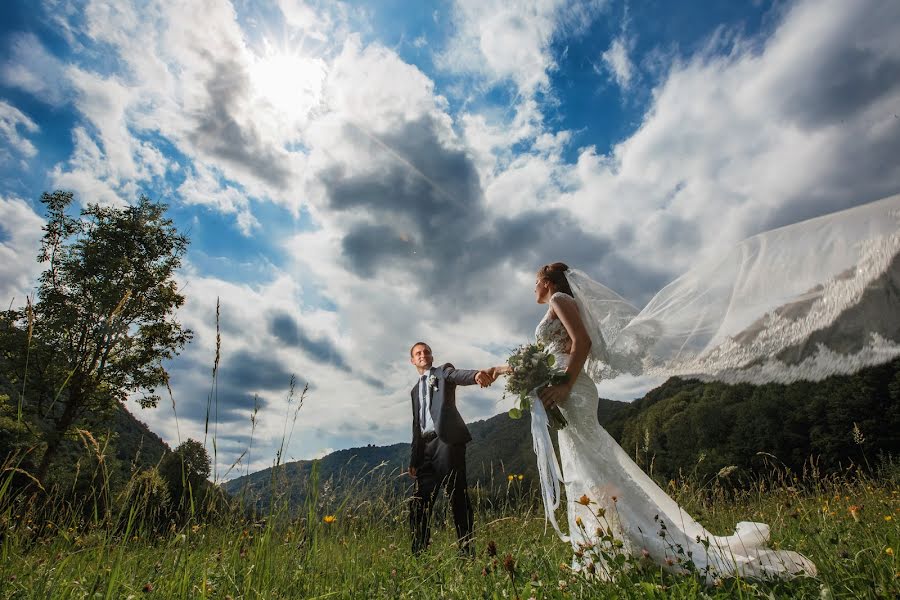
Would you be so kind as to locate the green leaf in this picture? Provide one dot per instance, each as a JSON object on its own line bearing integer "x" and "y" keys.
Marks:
{"x": 515, "y": 413}
{"x": 551, "y": 360}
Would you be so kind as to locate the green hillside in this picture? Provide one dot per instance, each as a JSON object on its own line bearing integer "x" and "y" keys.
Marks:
{"x": 687, "y": 425}
{"x": 131, "y": 445}
{"x": 681, "y": 427}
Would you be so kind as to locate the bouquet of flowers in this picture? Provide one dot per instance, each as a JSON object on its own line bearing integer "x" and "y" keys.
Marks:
{"x": 533, "y": 368}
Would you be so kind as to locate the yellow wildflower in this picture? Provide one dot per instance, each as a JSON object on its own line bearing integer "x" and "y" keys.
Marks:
{"x": 329, "y": 519}
{"x": 889, "y": 551}
{"x": 584, "y": 500}
{"x": 510, "y": 477}
{"x": 521, "y": 477}
{"x": 888, "y": 518}
{"x": 578, "y": 521}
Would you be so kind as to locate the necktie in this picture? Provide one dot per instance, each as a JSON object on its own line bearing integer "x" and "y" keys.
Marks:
{"x": 423, "y": 397}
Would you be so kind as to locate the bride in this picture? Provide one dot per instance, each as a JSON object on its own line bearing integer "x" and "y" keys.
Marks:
{"x": 801, "y": 302}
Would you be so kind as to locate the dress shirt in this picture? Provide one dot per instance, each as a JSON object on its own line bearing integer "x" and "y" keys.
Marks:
{"x": 425, "y": 392}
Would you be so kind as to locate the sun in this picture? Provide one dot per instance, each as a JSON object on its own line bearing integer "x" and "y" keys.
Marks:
{"x": 290, "y": 83}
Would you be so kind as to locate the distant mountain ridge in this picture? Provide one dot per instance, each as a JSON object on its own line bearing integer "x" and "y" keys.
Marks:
{"x": 682, "y": 426}
{"x": 500, "y": 446}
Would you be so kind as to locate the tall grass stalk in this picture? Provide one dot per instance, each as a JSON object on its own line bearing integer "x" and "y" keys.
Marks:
{"x": 212, "y": 401}
{"x": 29, "y": 315}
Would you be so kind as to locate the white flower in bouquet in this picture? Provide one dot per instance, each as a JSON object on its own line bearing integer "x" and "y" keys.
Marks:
{"x": 533, "y": 369}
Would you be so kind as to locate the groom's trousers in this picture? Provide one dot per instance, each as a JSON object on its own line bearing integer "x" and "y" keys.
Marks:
{"x": 444, "y": 466}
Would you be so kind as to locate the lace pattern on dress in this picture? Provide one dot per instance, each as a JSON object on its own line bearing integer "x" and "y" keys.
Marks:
{"x": 552, "y": 333}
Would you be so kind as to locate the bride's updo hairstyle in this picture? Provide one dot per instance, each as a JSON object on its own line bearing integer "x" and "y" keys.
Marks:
{"x": 555, "y": 273}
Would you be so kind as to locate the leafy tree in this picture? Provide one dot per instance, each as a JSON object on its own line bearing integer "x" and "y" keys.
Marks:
{"x": 16, "y": 442}
{"x": 104, "y": 318}
{"x": 186, "y": 470}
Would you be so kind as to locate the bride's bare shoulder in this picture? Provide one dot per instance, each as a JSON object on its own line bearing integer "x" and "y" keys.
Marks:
{"x": 560, "y": 303}
{"x": 561, "y": 299}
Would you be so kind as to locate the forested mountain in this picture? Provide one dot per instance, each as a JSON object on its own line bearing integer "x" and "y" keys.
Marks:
{"x": 127, "y": 443}
{"x": 500, "y": 447}
{"x": 681, "y": 427}
{"x": 687, "y": 425}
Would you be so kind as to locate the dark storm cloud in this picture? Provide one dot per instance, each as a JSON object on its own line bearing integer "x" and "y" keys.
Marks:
{"x": 427, "y": 216}
{"x": 286, "y": 329}
{"x": 835, "y": 92}
{"x": 367, "y": 245}
{"x": 420, "y": 177}
{"x": 425, "y": 198}
{"x": 228, "y": 405}
{"x": 241, "y": 377}
{"x": 851, "y": 72}
{"x": 254, "y": 372}
{"x": 866, "y": 170}
{"x": 219, "y": 132}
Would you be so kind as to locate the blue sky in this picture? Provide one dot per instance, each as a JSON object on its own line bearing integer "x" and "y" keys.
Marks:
{"x": 358, "y": 176}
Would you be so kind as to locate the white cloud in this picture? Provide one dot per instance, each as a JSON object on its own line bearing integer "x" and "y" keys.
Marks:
{"x": 760, "y": 136}
{"x": 326, "y": 24}
{"x": 356, "y": 91}
{"x": 501, "y": 40}
{"x": 618, "y": 62}
{"x": 32, "y": 68}
{"x": 322, "y": 453}
{"x": 11, "y": 119}
{"x": 257, "y": 358}
{"x": 203, "y": 186}
{"x": 89, "y": 174}
{"x": 20, "y": 236}
{"x": 103, "y": 101}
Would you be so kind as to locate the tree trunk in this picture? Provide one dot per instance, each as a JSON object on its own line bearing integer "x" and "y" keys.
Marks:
{"x": 62, "y": 428}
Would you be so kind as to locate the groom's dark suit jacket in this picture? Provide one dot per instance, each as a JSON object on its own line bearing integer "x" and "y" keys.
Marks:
{"x": 448, "y": 423}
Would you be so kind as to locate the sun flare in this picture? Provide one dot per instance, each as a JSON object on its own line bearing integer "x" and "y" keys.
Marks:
{"x": 290, "y": 83}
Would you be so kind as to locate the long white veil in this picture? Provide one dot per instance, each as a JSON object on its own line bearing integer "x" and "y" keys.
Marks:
{"x": 806, "y": 301}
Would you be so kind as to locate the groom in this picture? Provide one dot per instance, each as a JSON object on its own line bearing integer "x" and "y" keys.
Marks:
{"x": 438, "y": 457}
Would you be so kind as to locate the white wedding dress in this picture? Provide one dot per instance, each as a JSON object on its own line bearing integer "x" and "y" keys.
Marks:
{"x": 622, "y": 503}
{"x": 806, "y": 301}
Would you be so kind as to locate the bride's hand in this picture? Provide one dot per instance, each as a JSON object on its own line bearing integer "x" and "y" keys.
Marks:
{"x": 501, "y": 370}
{"x": 552, "y": 395}
{"x": 495, "y": 372}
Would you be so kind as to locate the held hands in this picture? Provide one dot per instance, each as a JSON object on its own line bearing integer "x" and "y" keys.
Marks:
{"x": 484, "y": 378}
{"x": 488, "y": 376}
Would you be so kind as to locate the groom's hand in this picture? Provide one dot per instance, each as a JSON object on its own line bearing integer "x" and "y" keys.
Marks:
{"x": 483, "y": 378}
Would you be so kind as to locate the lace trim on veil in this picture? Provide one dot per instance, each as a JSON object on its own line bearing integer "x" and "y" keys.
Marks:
{"x": 768, "y": 311}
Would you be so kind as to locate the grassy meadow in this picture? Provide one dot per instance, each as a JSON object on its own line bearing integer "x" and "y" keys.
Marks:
{"x": 353, "y": 543}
